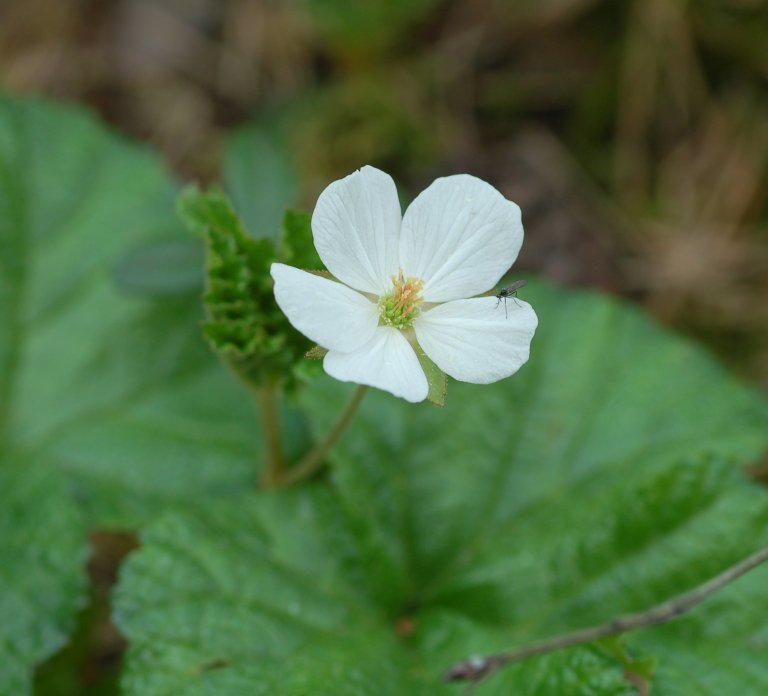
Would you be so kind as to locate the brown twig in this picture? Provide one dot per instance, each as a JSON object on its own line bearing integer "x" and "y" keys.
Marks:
{"x": 477, "y": 668}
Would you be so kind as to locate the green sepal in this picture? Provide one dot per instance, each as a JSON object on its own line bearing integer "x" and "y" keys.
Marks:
{"x": 436, "y": 379}
{"x": 243, "y": 322}
{"x": 321, "y": 274}
{"x": 316, "y": 353}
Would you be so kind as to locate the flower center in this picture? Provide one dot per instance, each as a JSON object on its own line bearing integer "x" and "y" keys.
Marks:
{"x": 400, "y": 307}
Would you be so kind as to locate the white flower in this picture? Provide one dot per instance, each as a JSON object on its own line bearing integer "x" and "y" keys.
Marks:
{"x": 403, "y": 280}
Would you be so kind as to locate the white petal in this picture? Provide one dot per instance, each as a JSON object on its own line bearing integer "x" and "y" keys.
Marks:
{"x": 386, "y": 362}
{"x": 474, "y": 340}
{"x": 331, "y": 314}
{"x": 460, "y": 236}
{"x": 356, "y": 226}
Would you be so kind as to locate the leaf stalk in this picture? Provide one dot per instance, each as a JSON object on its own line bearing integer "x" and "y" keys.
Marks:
{"x": 315, "y": 458}
{"x": 267, "y": 396}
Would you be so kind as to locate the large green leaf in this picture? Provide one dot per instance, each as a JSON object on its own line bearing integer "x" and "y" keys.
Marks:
{"x": 602, "y": 479}
{"x": 103, "y": 373}
{"x": 215, "y": 601}
{"x": 42, "y": 583}
{"x": 236, "y": 600}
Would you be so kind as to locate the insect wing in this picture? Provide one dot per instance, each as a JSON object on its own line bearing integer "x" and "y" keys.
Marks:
{"x": 515, "y": 286}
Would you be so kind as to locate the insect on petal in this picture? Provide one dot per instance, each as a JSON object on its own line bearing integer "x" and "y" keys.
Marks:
{"x": 460, "y": 236}
{"x": 473, "y": 341}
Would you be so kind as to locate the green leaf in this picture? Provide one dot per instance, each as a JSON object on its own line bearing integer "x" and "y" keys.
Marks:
{"x": 436, "y": 378}
{"x": 103, "y": 373}
{"x": 596, "y": 482}
{"x": 265, "y": 597}
{"x": 260, "y": 176}
{"x": 606, "y": 396}
{"x": 244, "y": 324}
{"x": 253, "y": 600}
{"x": 643, "y": 667}
{"x": 42, "y": 579}
{"x": 297, "y": 246}
{"x": 166, "y": 267}
{"x": 719, "y": 648}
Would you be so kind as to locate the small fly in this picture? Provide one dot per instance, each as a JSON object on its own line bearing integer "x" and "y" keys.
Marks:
{"x": 509, "y": 291}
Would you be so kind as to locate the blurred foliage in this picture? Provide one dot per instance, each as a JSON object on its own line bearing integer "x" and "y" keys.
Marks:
{"x": 260, "y": 176}
{"x": 103, "y": 372}
{"x": 360, "y": 31}
{"x": 377, "y": 118}
{"x": 42, "y": 583}
{"x": 295, "y": 246}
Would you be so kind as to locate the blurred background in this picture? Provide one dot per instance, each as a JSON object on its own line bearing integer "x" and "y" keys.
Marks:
{"x": 633, "y": 133}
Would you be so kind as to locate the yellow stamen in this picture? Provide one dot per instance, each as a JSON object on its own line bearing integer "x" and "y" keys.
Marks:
{"x": 400, "y": 307}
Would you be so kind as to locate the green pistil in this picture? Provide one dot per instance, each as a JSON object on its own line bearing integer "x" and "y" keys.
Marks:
{"x": 400, "y": 307}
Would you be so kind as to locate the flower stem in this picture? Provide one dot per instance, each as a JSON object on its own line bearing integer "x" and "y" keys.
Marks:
{"x": 476, "y": 669}
{"x": 316, "y": 457}
{"x": 270, "y": 423}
